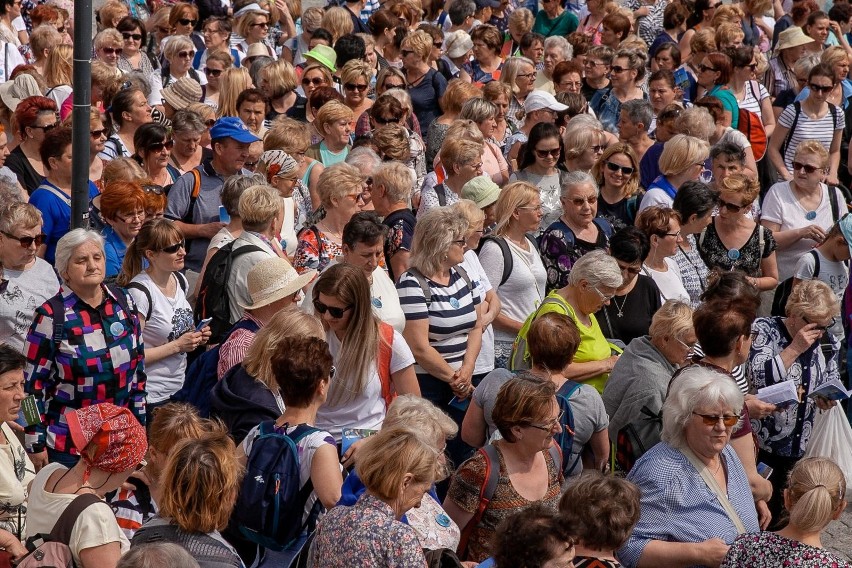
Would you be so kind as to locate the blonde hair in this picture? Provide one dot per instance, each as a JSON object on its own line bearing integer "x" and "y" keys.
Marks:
{"x": 673, "y": 319}
{"x": 244, "y": 21}
{"x": 513, "y": 196}
{"x": 289, "y": 322}
{"x": 122, "y": 169}
{"x": 522, "y": 20}
{"x": 337, "y": 181}
{"x": 338, "y": 23}
{"x": 704, "y": 41}
{"x": 421, "y": 417}
{"x": 730, "y": 13}
{"x": 631, "y": 187}
{"x": 234, "y": 81}
{"x": 580, "y": 135}
{"x": 695, "y": 121}
{"x": 19, "y": 215}
{"x": 108, "y": 36}
{"x": 44, "y": 37}
{"x": 171, "y": 423}
{"x": 812, "y": 299}
{"x": 280, "y": 77}
{"x": 741, "y": 184}
{"x": 288, "y": 135}
{"x": 419, "y": 42}
{"x": 816, "y": 488}
{"x": 510, "y": 70}
{"x": 397, "y": 180}
{"x": 471, "y": 212}
{"x": 331, "y": 112}
{"x": 391, "y": 141}
{"x": 814, "y": 147}
{"x": 682, "y": 152}
{"x": 59, "y": 67}
{"x": 176, "y": 44}
{"x": 729, "y": 33}
{"x": 433, "y": 235}
{"x": 457, "y": 151}
{"x": 356, "y": 69}
{"x": 223, "y": 57}
{"x": 259, "y": 204}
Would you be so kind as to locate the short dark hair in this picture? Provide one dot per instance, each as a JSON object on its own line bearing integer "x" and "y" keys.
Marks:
{"x": 364, "y": 227}
{"x": 728, "y": 284}
{"x": 10, "y": 359}
{"x": 719, "y": 323}
{"x": 460, "y": 10}
{"x": 673, "y": 16}
{"x": 147, "y": 134}
{"x": 840, "y": 13}
{"x": 694, "y": 198}
{"x": 54, "y": 144}
{"x": 299, "y": 365}
{"x": 527, "y": 538}
{"x": 529, "y": 38}
{"x": 729, "y": 149}
{"x": 673, "y": 50}
{"x": 224, "y": 22}
{"x": 129, "y": 23}
{"x": 630, "y": 244}
{"x": 553, "y": 340}
{"x": 601, "y": 510}
{"x": 323, "y": 34}
{"x": 347, "y": 48}
{"x": 251, "y": 96}
{"x": 663, "y": 75}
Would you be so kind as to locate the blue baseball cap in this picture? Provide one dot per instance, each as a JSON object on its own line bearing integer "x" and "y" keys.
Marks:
{"x": 232, "y": 127}
{"x": 846, "y": 227}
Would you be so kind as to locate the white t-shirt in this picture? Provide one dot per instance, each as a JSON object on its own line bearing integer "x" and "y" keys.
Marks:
{"x": 170, "y": 318}
{"x": 307, "y": 446}
{"x": 365, "y": 410}
{"x": 832, "y": 272}
{"x": 485, "y": 359}
{"x": 655, "y": 196}
{"x": 16, "y": 472}
{"x": 95, "y": 526}
{"x": 669, "y": 282}
{"x": 26, "y": 291}
{"x": 781, "y": 206}
{"x": 220, "y": 239}
{"x": 385, "y": 300}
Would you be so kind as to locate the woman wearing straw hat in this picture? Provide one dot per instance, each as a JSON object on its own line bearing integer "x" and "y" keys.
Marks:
{"x": 180, "y": 94}
{"x": 780, "y": 74}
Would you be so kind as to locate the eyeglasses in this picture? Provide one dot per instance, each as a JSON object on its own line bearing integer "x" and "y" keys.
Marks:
{"x": 603, "y": 296}
{"x": 46, "y": 127}
{"x": 438, "y": 45}
{"x": 394, "y": 85}
{"x": 131, "y": 216}
{"x": 171, "y": 249}
{"x": 629, "y": 268}
{"x": 153, "y": 188}
{"x": 597, "y": 149}
{"x": 354, "y": 87}
{"x": 821, "y": 88}
{"x": 259, "y": 25}
{"x": 163, "y": 30}
{"x": 26, "y": 242}
{"x": 316, "y": 81}
{"x": 141, "y": 465}
{"x": 822, "y": 327}
{"x": 550, "y": 425}
{"x": 98, "y": 133}
{"x": 386, "y": 120}
{"x": 211, "y": 30}
{"x": 690, "y": 349}
{"x": 807, "y": 168}
{"x": 579, "y": 201}
{"x": 532, "y": 208}
{"x": 626, "y": 170}
{"x": 334, "y": 312}
{"x": 590, "y": 63}
{"x": 702, "y": 67}
{"x": 134, "y": 37}
{"x": 526, "y": 75}
{"x": 356, "y": 197}
{"x": 187, "y": 22}
{"x": 729, "y": 420}
{"x": 212, "y": 72}
{"x": 619, "y": 69}
{"x": 369, "y": 182}
{"x": 476, "y": 166}
{"x": 158, "y": 146}
{"x": 112, "y": 50}
{"x": 677, "y": 234}
{"x": 186, "y": 54}
{"x": 554, "y": 153}
{"x": 733, "y": 208}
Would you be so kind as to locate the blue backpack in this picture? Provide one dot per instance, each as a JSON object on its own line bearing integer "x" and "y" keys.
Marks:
{"x": 566, "y": 438}
{"x": 271, "y": 503}
{"x": 202, "y": 374}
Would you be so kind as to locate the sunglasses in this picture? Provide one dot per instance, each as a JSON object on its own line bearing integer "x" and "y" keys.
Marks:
{"x": 26, "y": 242}
{"x": 152, "y": 188}
{"x": 186, "y": 54}
{"x": 98, "y": 133}
{"x": 821, "y": 88}
{"x": 259, "y": 25}
{"x": 354, "y": 87}
{"x": 807, "y": 168}
{"x": 830, "y": 324}
{"x": 626, "y": 170}
{"x": 334, "y": 312}
{"x": 438, "y": 45}
{"x": 158, "y": 146}
{"x": 394, "y": 85}
{"x": 46, "y": 127}
{"x": 545, "y": 153}
{"x": 387, "y": 120}
{"x": 629, "y": 268}
{"x": 619, "y": 69}
{"x": 212, "y": 72}
{"x": 141, "y": 465}
{"x": 171, "y": 249}
{"x": 733, "y": 208}
{"x": 134, "y": 37}
{"x": 112, "y": 50}
{"x": 187, "y": 22}
{"x": 316, "y": 81}
{"x": 579, "y": 201}
{"x": 405, "y": 52}
{"x": 703, "y": 67}
{"x": 163, "y": 30}
{"x": 210, "y": 122}
{"x": 729, "y": 420}
{"x": 598, "y": 149}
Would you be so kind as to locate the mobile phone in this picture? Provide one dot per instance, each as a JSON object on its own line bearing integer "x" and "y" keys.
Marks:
{"x": 203, "y": 323}
{"x": 460, "y": 404}
{"x": 223, "y": 215}
{"x": 764, "y": 470}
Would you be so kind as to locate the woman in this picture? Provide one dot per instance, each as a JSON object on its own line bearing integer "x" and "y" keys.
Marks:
{"x": 519, "y": 73}
{"x": 340, "y": 189}
{"x": 179, "y": 53}
{"x": 751, "y": 95}
{"x": 425, "y": 85}
{"x": 183, "y": 19}
{"x": 627, "y": 73}
{"x": 817, "y": 28}
{"x": 293, "y": 138}
{"x": 152, "y": 147}
{"x": 122, "y": 207}
{"x": 334, "y": 124}
{"x": 278, "y": 82}
{"x": 682, "y": 160}
{"x": 397, "y": 466}
{"x": 383, "y": 26}
{"x": 527, "y": 416}
{"x": 799, "y": 212}
{"x": 437, "y": 293}
{"x": 734, "y": 241}
{"x": 700, "y": 19}
{"x": 253, "y": 27}
{"x": 30, "y": 280}
{"x": 701, "y": 409}
{"x": 811, "y": 119}
{"x": 484, "y": 114}
{"x": 629, "y": 314}
{"x": 216, "y": 31}
{"x": 711, "y": 125}
{"x": 796, "y": 349}
{"x": 133, "y": 58}
{"x": 590, "y": 285}
{"x": 662, "y": 226}
{"x": 98, "y": 131}
{"x": 355, "y": 77}
{"x": 487, "y": 44}
{"x": 584, "y": 140}
{"x": 694, "y": 203}
{"x": 111, "y": 446}
{"x": 188, "y": 151}
{"x": 537, "y": 166}
{"x": 200, "y": 483}
{"x": 456, "y": 94}
{"x": 217, "y": 63}
{"x": 53, "y": 365}
{"x": 535, "y": 536}
{"x": 617, "y": 175}
{"x": 159, "y": 292}
{"x": 59, "y": 74}
{"x": 499, "y": 94}
{"x": 591, "y": 24}
{"x": 789, "y": 49}
{"x": 713, "y": 78}
{"x": 461, "y": 160}
{"x": 520, "y": 283}
{"x": 314, "y": 76}
{"x": 281, "y": 172}
{"x": 35, "y": 116}
{"x": 234, "y": 81}
{"x": 577, "y": 231}
{"x": 129, "y": 110}
{"x": 815, "y": 496}
{"x": 108, "y": 47}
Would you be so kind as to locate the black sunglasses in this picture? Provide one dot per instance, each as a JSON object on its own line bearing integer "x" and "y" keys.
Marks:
{"x": 316, "y": 81}
{"x": 545, "y": 153}
{"x": 336, "y": 313}
{"x": 808, "y": 169}
{"x": 98, "y": 133}
{"x": 394, "y": 86}
{"x": 26, "y": 242}
{"x": 626, "y": 170}
{"x": 703, "y": 67}
{"x": 821, "y": 88}
{"x": 732, "y": 207}
{"x": 46, "y": 127}
{"x": 386, "y": 120}
{"x": 134, "y": 37}
{"x": 212, "y": 72}
{"x": 187, "y": 22}
{"x": 174, "y": 248}
{"x": 158, "y": 146}
{"x": 354, "y": 87}
{"x": 112, "y": 50}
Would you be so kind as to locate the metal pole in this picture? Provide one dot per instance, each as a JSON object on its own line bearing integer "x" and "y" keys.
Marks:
{"x": 81, "y": 133}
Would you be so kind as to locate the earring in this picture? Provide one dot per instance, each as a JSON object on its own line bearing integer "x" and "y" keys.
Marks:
{"x": 446, "y": 256}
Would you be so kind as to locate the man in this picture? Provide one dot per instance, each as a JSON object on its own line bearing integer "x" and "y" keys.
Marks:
{"x": 251, "y": 108}
{"x": 392, "y": 183}
{"x": 194, "y": 198}
{"x": 460, "y": 16}
{"x": 597, "y": 66}
{"x": 354, "y": 8}
{"x": 726, "y": 158}
{"x": 633, "y": 123}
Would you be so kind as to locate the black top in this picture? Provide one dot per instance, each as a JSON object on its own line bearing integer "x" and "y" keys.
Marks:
{"x": 619, "y": 214}
{"x": 636, "y": 308}
{"x": 27, "y": 176}
{"x": 716, "y": 254}
{"x": 588, "y": 91}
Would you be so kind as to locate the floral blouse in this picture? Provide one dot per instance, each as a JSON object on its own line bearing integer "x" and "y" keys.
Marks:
{"x": 315, "y": 250}
{"x": 560, "y": 249}
{"x": 769, "y": 550}
{"x": 747, "y": 258}
{"x": 366, "y": 534}
{"x": 693, "y": 271}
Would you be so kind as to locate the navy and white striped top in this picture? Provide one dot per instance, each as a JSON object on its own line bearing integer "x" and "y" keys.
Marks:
{"x": 451, "y": 313}
{"x": 808, "y": 128}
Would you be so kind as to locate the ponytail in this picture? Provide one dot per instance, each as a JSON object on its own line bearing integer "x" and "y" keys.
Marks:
{"x": 132, "y": 264}
{"x": 816, "y": 488}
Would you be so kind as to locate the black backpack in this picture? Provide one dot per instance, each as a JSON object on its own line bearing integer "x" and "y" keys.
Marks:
{"x": 508, "y": 261}
{"x": 213, "y": 300}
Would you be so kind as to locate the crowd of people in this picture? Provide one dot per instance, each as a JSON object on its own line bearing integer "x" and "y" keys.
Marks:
{"x": 418, "y": 283}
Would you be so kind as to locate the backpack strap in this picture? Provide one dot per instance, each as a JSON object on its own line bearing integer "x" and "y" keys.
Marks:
{"x": 424, "y": 285}
{"x": 182, "y": 282}
{"x": 139, "y": 286}
{"x": 120, "y": 297}
{"x": 508, "y": 262}
{"x": 556, "y": 456}
{"x": 57, "y": 306}
{"x": 65, "y": 524}
{"x": 486, "y": 492}
{"x": 797, "y": 107}
{"x": 384, "y": 362}
{"x": 832, "y": 200}
{"x": 604, "y": 226}
{"x": 193, "y": 195}
{"x": 441, "y": 192}
{"x": 463, "y": 273}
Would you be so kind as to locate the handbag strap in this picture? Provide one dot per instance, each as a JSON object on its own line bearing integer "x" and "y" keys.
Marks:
{"x": 65, "y": 525}
{"x": 711, "y": 482}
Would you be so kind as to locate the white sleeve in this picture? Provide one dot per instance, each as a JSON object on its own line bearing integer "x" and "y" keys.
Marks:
{"x": 805, "y": 267}
{"x": 401, "y": 356}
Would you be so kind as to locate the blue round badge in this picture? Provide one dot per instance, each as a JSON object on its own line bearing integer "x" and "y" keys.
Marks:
{"x": 443, "y": 520}
{"x": 454, "y": 303}
{"x": 116, "y": 328}
{"x": 377, "y": 303}
{"x": 733, "y": 254}
{"x": 810, "y": 215}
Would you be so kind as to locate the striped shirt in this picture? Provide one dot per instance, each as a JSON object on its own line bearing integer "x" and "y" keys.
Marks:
{"x": 754, "y": 94}
{"x": 807, "y": 128}
{"x": 451, "y": 314}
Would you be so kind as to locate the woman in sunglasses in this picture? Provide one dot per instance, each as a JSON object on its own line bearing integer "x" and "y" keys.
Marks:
{"x": 750, "y": 93}
{"x": 537, "y": 165}
{"x": 153, "y": 146}
{"x": 109, "y": 46}
{"x": 151, "y": 273}
{"x": 626, "y": 73}
{"x": 135, "y": 37}
{"x": 216, "y": 64}
{"x": 253, "y": 27}
{"x": 179, "y": 53}
{"x": 183, "y": 20}
{"x": 356, "y": 76}
{"x": 617, "y": 175}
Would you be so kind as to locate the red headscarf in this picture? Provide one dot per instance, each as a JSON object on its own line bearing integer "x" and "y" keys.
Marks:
{"x": 108, "y": 437}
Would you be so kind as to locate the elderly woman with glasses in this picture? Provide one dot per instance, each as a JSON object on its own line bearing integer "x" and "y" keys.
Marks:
{"x": 109, "y": 45}
{"x": 122, "y": 206}
{"x": 355, "y": 77}
{"x": 685, "y": 479}
{"x": 797, "y": 349}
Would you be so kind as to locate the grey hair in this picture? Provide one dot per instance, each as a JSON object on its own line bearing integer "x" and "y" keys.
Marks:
{"x": 805, "y": 64}
{"x": 478, "y": 110}
{"x": 433, "y": 235}
{"x": 257, "y": 65}
{"x": 234, "y": 187}
{"x": 638, "y": 110}
{"x": 156, "y": 555}
{"x": 575, "y": 178}
{"x": 597, "y": 268}
{"x": 140, "y": 81}
{"x": 459, "y": 10}
{"x": 69, "y": 243}
{"x": 696, "y": 387}
{"x": 11, "y": 191}
{"x": 421, "y": 417}
{"x": 561, "y": 43}
{"x": 402, "y": 96}
{"x": 188, "y": 121}
{"x": 365, "y": 159}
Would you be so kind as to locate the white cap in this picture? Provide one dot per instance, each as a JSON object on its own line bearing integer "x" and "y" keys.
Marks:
{"x": 538, "y": 100}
